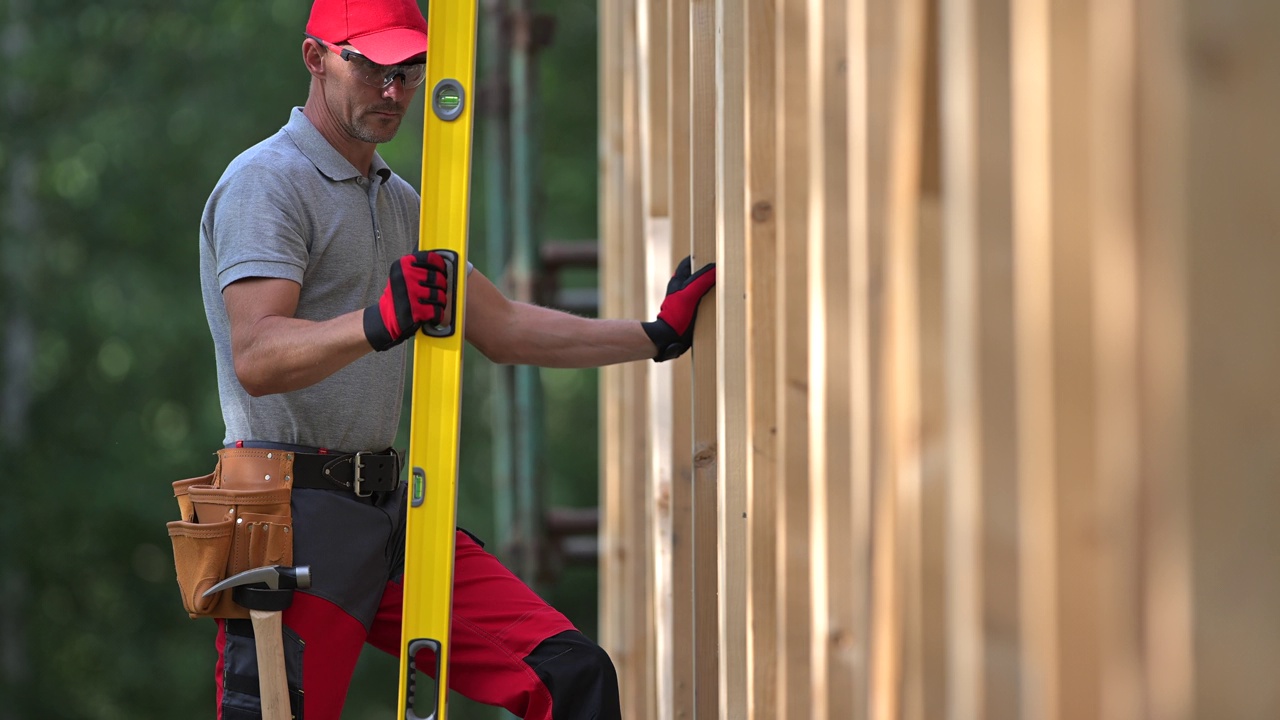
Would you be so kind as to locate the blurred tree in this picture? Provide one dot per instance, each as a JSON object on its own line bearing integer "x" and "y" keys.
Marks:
{"x": 118, "y": 119}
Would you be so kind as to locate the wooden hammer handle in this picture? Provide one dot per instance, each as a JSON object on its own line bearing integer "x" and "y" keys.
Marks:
{"x": 274, "y": 684}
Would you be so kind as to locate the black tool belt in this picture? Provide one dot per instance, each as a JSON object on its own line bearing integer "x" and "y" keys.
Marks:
{"x": 363, "y": 473}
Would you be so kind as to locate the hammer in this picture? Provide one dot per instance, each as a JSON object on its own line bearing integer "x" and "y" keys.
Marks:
{"x": 266, "y": 592}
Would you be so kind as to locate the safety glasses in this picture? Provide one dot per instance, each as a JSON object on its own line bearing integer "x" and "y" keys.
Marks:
{"x": 375, "y": 75}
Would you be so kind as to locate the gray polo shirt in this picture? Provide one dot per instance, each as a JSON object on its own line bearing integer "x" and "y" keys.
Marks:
{"x": 291, "y": 207}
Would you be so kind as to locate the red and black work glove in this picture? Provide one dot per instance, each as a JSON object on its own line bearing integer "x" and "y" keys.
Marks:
{"x": 416, "y": 294}
{"x": 672, "y": 332}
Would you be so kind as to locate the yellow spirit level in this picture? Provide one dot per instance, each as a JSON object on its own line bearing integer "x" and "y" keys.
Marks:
{"x": 437, "y": 358}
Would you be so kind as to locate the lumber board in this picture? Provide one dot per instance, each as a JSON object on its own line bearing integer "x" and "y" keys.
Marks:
{"x": 652, "y": 58}
{"x": 832, "y": 642}
{"x": 612, "y": 266}
{"x": 706, "y": 454}
{"x": 930, "y": 693}
{"x": 864, "y": 322}
{"x": 983, "y": 679}
{"x": 635, "y": 674}
{"x": 682, "y": 541}
{"x": 1169, "y": 675}
{"x": 961, "y": 141}
{"x": 997, "y": 351}
{"x": 733, "y": 345}
{"x": 661, "y": 411}
{"x": 901, "y": 371}
{"x": 1033, "y": 318}
{"x": 1113, "y": 200}
{"x": 877, "y": 507}
{"x": 792, "y": 363}
{"x": 1074, "y": 477}
{"x": 1230, "y": 222}
{"x": 761, "y": 328}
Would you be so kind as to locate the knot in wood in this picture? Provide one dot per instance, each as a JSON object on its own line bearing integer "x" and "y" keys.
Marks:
{"x": 705, "y": 456}
{"x": 762, "y": 211}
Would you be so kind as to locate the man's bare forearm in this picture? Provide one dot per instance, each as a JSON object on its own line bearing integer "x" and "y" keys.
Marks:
{"x": 280, "y": 354}
{"x": 551, "y": 338}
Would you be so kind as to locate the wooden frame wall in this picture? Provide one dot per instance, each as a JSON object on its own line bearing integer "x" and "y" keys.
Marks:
{"x": 980, "y": 420}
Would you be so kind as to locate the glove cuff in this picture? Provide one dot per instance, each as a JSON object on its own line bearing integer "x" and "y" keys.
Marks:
{"x": 665, "y": 339}
{"x": 375, "y": 332}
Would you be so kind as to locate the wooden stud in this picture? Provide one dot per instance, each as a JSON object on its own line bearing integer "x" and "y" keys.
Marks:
{"x": 876, "y": 495}
{"x": 1164, "y": 95}
{"x": 612, "y": 267}
{"x": 865, "y": 307}
{"x": 1113, "y": 200}
{"x": 983, "y": 675}
{"x": 762, "y": 303}
{"x": 634, "y": 676}
{"x": 927, "y": 696}
{"x": 1073, "y": 481}
{"x": 1230, "y": 221}
{"x": 792, "y": 366}
{"x": 733, "y": 345}
{"x": 682, "y": 543}
{"x": 702, "y": 154}
{"x": 997, "y": 397}
{"x": 961, "y": 140}
{"x": 652, "y": 55}
{"x": 832, "y": 644}
{"x": 1033, "y": 319}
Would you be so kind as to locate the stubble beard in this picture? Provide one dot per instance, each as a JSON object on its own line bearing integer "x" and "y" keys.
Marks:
{"x": 368, "y": 128}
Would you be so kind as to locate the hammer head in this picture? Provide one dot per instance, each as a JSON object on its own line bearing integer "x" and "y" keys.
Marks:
{"x": 274, "y": 577}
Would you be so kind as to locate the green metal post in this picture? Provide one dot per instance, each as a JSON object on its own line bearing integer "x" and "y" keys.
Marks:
{"x": 495, "y": 129}
{"x": 528, "y": 388}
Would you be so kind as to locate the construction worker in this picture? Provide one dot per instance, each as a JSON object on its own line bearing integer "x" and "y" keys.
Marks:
{"x": 309, "y": 329}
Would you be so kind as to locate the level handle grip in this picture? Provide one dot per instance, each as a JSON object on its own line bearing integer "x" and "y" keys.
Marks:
{"x": 410, "y": 712}
{"x": 448, "y": 324}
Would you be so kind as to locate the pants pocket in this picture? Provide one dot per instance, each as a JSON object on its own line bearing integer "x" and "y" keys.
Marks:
{"x": 241, "y": 697}
{"x": 200, "y": 554}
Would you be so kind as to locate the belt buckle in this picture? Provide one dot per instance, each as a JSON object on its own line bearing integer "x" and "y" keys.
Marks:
{"x": 357, "y": 480}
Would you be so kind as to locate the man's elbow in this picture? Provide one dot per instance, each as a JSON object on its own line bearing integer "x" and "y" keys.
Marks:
{"x": 252, "y": 379}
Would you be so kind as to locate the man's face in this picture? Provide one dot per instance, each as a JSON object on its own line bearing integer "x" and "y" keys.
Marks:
{"x": 366, "y": 112}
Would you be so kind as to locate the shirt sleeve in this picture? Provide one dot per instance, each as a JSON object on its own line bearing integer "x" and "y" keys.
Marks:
{"x": 257, "y": 227}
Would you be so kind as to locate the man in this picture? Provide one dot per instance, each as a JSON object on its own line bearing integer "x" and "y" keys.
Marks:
{"x": 309, "y": 330}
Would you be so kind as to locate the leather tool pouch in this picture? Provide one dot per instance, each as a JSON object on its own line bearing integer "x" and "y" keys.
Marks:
{"x": 234, "y": 519}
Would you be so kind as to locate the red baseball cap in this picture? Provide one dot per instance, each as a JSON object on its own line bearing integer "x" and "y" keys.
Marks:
{"x": 385, "y": 31}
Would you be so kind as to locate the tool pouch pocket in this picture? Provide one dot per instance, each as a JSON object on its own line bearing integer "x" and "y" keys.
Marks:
{"x": 234, "y": 519}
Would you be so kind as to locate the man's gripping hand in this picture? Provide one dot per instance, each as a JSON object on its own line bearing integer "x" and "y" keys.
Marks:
{"x": 416, "y": 294}
{"x": 672, "y": 332}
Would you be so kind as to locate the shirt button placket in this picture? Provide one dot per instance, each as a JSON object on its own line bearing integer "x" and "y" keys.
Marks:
{"x": 373, "y": 210}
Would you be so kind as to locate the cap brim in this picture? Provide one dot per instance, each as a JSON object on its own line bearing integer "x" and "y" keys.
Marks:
{"x": 390, "y": 47}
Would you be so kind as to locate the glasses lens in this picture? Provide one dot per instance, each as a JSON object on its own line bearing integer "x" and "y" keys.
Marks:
{"x": 381, "y": 76}
{"x": 414, "y": 74}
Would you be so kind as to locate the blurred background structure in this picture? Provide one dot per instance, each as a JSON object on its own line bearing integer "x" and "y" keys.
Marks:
{"x": 982, "y": 422}
{"x": 117, "y": 120}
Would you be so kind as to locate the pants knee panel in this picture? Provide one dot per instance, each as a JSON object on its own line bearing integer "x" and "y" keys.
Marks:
{"x": 579, "y": 675}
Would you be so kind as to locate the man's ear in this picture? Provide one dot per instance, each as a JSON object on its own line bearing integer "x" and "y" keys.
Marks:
{"x": 313, "y": 57}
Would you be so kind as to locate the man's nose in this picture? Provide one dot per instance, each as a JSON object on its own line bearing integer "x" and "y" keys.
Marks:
{"x": 397, "y": 86}
{"x": 395, "y": 90}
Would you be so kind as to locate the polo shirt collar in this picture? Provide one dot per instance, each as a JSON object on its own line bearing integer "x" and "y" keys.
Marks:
{"x": 323, "y": 155}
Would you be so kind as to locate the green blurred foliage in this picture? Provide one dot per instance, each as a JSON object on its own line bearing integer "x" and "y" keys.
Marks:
{"x": 118, "y": 119}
